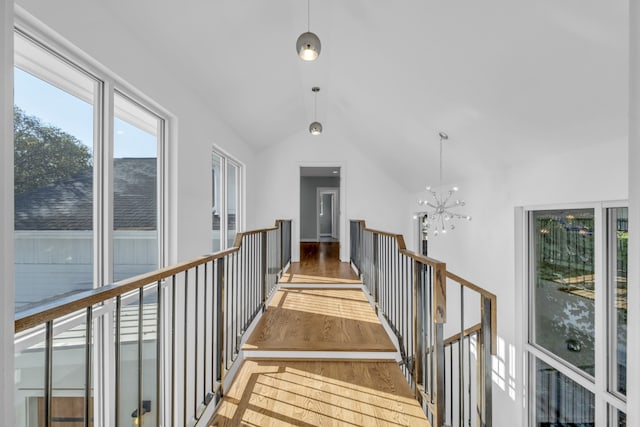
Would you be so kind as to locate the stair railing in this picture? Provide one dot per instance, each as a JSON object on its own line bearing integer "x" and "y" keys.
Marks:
{"x": 164, "y": 341}
{"x": 409, "y": 291}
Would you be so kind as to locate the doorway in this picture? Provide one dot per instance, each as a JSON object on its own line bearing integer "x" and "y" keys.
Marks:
{"x": 327, "y": 214}
{"x": 320, "y": 213}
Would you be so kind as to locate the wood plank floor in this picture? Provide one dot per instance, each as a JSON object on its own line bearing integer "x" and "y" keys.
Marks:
{"x": 314, "y": 393}
{"x": 320, "y": 263}
{"x": 319, "y": 392}
{"x": 319, "y": 320}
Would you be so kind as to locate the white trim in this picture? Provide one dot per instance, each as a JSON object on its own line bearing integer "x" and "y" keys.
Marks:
{"x": 521, "y": 322}
{"x": 7, "y": 373}
{"x": 320, "y": 286}
{"x": 316, "y": 355}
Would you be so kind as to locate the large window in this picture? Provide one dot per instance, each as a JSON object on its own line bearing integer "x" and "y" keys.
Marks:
{"x": 577, "y": 307}
{"x": 226, "y": 185}
{"x": 54, "y": 142}
{"x": 88, "y": 212}
{"x": 137, "y": 136}
{"x": 68, "y": 167}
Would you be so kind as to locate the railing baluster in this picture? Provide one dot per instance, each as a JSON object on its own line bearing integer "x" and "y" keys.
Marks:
{"x": 48, "y": 373}
{"x": 220, "y": 320}
{"x": 185, "y": 377}
{"x": 253, "y": 269}
{"x": 461, "y": 360}
{"x": 173, "y": 348}
{"x": 118, "y": 380}
{"x": 87, "y": 366}
{"x": 484, "y": 359}
{"x": 376, "y": 276}
{"x": 263, "y": 274}
{"x": 196, "y": 303}
{"x": 140, "y": 335}
{"x": 159, "y": 358}
{"x": 205, "y": 318}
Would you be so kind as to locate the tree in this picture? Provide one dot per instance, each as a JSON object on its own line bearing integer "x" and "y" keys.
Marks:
{"x": 44, "y": 154}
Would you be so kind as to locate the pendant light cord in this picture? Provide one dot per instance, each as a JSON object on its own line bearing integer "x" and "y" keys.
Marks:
{"x": 315, "y": 106}
{"x": 308, "y": 15}
{"x": 440, "y": 183}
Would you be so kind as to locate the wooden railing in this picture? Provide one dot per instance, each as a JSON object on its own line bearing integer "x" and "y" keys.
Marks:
{"x": 166, "y": 339}
{"x": 410, "y": 292}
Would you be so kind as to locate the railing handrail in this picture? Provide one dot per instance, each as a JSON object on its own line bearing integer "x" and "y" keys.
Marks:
{"x": 456, "y": 337}
{"x": 401, "y": 245}
{"x": 394, "y": 275}
{"x": 45, "y": 312}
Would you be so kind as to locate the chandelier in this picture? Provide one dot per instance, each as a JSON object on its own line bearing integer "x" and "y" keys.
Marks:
{"x": 441, "y": 217}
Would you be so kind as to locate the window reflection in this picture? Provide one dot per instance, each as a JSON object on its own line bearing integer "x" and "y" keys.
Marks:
{"x": 561, "y": 401}
{"x": 563, "y": 291}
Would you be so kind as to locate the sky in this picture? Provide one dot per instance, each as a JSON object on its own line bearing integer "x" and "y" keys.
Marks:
{"x": 73, "y": 115}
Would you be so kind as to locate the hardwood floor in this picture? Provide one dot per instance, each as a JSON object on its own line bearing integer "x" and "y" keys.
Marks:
{"x": 278, "y": 390}
{"x": 319, "y": 393}
{"x": 319, "y": 320}
{"x": 320, "y": 263}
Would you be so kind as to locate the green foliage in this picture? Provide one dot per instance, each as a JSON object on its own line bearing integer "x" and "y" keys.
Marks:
{"x": 44, "y": 154}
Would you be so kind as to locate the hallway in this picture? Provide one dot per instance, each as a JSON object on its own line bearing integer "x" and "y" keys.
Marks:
{"x": 319, "y": 356}
{"x": 320, "y": 263}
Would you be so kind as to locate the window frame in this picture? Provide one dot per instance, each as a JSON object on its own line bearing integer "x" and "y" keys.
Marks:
{"x": 103, "y": 364}
{"x": 223, "y": 189}
{"x": 607, "y": 403}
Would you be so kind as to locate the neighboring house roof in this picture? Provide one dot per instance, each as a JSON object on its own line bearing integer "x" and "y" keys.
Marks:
{"x": 67, "y": 204}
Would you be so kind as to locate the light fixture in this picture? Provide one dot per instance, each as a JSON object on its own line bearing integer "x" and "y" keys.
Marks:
{"x": 316, "y": 127}
{"x": 308, "y": 44}
{"x": 441, "y": 217}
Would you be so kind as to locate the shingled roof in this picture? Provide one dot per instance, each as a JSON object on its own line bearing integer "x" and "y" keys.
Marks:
{"x": 67, "y": 204}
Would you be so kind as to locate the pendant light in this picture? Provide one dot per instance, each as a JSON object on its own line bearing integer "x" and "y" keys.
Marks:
{"x": 442, "y": 215}
{"x": 308, "y": 44}
{"x": 316, "y": 127}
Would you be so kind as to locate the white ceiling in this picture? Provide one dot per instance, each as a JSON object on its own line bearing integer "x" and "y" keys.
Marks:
{"x": 508, "y": 80}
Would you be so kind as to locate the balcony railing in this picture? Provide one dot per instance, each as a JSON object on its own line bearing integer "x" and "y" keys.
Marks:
{"x": 158, "y": 346}
{"x": 410, "y": 291}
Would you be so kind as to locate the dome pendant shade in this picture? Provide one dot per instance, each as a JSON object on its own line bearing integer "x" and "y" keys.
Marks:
{"x": 315, "y": 128}
{"x": 308, "y": 46}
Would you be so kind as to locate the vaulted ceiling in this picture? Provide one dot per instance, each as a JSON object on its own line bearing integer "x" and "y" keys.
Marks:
{"x": 509, "y": 81}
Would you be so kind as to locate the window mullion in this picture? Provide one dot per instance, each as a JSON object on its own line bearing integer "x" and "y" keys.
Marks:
{"x": 601, "y": 234}
{"x": 223, "y": 204}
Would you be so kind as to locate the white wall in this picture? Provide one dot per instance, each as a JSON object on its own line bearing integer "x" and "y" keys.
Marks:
{"x": 483, "y": 251}
{"x": 195, "y": 127}
{"x": 6, "y": 209}
{"x": 367, "y": 191}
